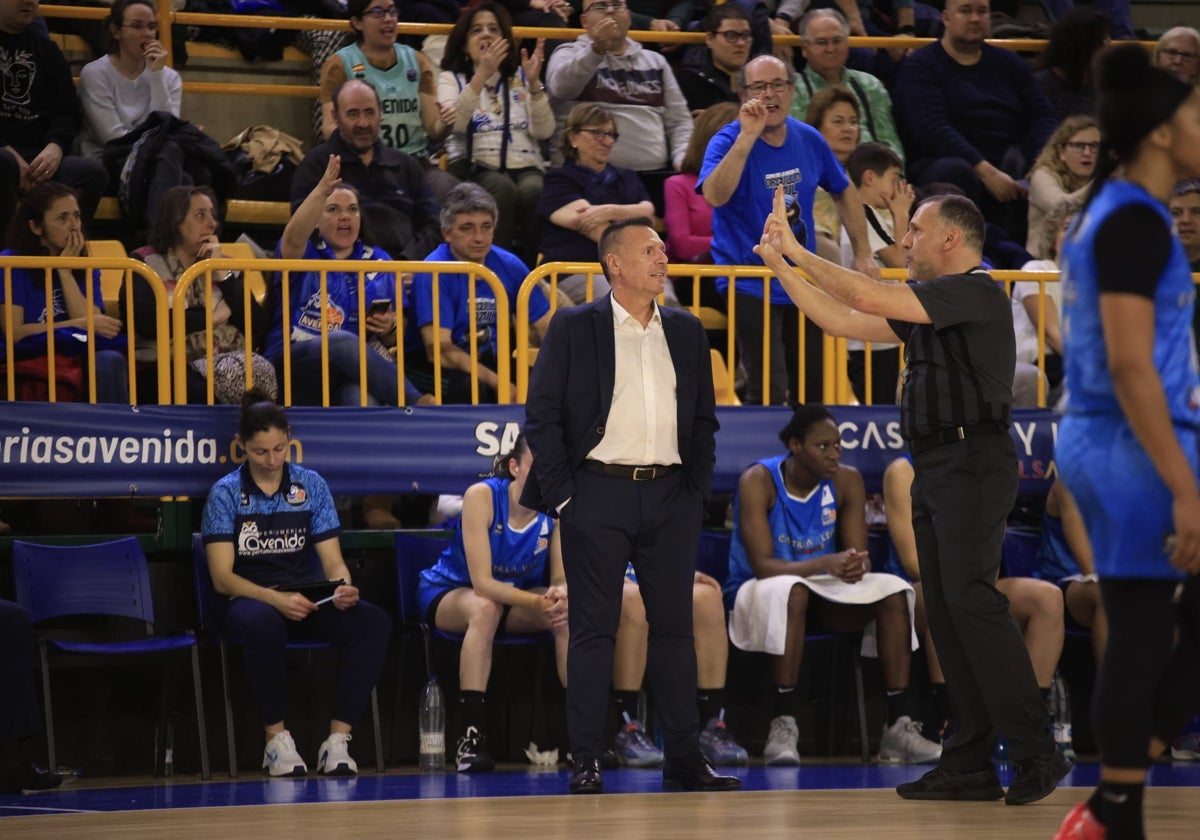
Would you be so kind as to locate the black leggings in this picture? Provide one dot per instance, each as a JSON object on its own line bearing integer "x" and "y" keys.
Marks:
{"x": 1149, "y": 681}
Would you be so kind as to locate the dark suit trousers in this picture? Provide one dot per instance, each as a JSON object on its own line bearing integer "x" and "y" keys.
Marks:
{"x": 19, "y": 716}
{"x": 655, "y": 525}
{"x": 961, "y": 496}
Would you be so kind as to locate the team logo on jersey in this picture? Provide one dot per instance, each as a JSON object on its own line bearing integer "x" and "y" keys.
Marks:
{"x": 411, "y": 75}
{"x": 359, "y": 71}
{"x": 245, "y": 500}
{"x": 296, "y": 495}
{"x": 828, "y": 516}
{"x": 826, "y": 495}
{"x": 542, "y": 545}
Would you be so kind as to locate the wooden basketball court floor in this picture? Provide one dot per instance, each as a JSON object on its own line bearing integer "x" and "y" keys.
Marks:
{"x": 826, "y": 801}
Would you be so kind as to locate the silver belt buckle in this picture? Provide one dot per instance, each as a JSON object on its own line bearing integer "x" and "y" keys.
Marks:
{"x": 643, "y": 473}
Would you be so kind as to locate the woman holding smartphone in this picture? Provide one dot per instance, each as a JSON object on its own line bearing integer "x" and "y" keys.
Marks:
{"x": 328, "y": 225}
{"x": 267, "y": 526}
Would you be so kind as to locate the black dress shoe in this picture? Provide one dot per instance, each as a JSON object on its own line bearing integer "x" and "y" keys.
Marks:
{"x": 586, "y": 777}
{"x": 695, "y": 773}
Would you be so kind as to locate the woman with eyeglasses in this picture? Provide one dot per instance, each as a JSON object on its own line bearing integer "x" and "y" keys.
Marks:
{"x": 403, "y": 77}
{"x": 501, "y": 113}
{"x": 1178, "y": 52}
{"x": 120, "y": 90}
{"x": 1062, "y": 171}
{"x": 584, "y": 195}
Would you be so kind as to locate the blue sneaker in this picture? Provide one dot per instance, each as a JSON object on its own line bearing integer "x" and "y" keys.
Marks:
{"x": 1186, "y": 747}
{"x": 718, "y": 745}
{"x": 634, "y": 747}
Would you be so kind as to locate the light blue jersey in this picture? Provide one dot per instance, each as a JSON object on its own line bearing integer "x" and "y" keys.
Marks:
{"x": 800, "y": 528}
{"x": 518, "y": 557}
{"x": 399, "y": 88}
{"x": 1089, "y": 384}
{"x": 1127, "y": 508}
{"x": 1055, "y": 560}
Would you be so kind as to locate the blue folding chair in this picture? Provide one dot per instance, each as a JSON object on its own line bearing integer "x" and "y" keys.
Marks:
{"x": 713, "y": 559}
{"x": 106, "y": 579}
{"x": 204, "y": 595}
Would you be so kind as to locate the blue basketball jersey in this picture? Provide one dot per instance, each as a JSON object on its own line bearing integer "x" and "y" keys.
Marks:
{"x": 801, "y": 528}
{"x": 518, "y": 557}
{"x": 1089, "y": 385}
{"x": 1055, "y": 560}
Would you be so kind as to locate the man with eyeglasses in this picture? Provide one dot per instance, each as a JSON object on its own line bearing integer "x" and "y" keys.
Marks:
{"x": 745, "y": 161}
{"x": 1178, "y": 52}
{"x": 40, "y": 116}
{"x": 824, "y": 36}
{"x": 635, "y": 85}
{"x": 708, "y": 73}
{"x": 973, "y": 115}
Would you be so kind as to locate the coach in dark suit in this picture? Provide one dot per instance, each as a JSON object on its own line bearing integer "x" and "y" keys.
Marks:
{"x": 621, "y": 419}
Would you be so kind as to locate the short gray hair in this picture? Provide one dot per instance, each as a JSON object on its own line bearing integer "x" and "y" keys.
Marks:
{"x": 466, "y": 198}
{"x": 816, "y": 14}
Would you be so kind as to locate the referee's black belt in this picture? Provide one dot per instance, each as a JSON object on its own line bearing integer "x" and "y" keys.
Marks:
{"x": 640, "y": 473}
{"x": 944, "y": 436}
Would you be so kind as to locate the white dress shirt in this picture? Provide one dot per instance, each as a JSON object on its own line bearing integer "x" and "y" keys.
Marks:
{"x": 642, "y": 426}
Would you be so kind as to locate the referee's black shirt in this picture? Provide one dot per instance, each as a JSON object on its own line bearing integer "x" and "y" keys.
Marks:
{"x": 958, "y": 369}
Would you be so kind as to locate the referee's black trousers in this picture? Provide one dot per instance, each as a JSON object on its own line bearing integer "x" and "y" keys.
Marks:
{"x": 610, "y": 522}
{"x": 19, "y": 717}
{"x": 961, "y": 497}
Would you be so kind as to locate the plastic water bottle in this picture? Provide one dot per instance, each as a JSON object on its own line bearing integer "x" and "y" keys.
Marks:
{"x": 1060, "y": 713}
{"x": 433, "y": 727}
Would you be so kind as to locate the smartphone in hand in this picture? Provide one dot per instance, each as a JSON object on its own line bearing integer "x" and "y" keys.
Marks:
{"x": 379, "y": 306}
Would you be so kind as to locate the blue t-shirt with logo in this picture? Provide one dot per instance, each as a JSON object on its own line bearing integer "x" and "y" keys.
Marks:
{"x": 273, "y": 536}
{"x": 29, "y": 292}
{"x": 803, "y": 163}
{"x": 304, "y": 296}
{"x": 454, "y": 297}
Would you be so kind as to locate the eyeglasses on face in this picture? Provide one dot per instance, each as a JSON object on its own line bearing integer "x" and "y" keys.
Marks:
{"x": 1179, "y": 55}
{"x": 138, "y": 26}
{"x": 606, "y": 7}
{"x": 1081, "y": 146}
{"x": 733, "y": 36}
{"x": 775, "y": 86}
{"x": 600, "y": 134}
{"x": 381, "y": 12}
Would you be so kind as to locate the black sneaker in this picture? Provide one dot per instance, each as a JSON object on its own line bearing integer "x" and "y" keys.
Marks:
{"x": 1035, "y": 778}
{"x": 981, "y": 785}
{"x": 472, "y": 755}
{"x": 19, "y": 775}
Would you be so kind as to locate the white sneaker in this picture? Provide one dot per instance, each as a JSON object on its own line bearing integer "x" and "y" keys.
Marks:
{"x": 904, "y": 743}
{"x": 782, "y": 739}
{"x": 280, "y": 757}
{"x": 333, "y": 758}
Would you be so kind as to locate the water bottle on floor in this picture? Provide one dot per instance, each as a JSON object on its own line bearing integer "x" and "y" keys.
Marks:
{"x": 1060, "y": 713}
{"x": 433, "y": 727}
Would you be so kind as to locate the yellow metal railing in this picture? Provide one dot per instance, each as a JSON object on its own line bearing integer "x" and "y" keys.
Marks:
{"x": 130, "y": 268}
{"x": 203, "y": 272}
{"x": 552, "y": 271}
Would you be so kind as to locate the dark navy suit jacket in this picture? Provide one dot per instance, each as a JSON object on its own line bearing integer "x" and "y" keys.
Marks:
{"x": 571, "y": 389}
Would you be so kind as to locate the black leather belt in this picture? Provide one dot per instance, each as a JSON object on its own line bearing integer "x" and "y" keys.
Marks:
{"x": 646, "y": 473}
{"x": 944, "y": 436}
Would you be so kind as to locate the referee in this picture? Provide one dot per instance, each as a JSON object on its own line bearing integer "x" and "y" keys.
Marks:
{"x": 955, "y": 411}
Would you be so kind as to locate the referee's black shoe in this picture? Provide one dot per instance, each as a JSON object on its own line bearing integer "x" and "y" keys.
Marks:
{"x": 1036, "y": 777}
{"x": 982, "y": 785}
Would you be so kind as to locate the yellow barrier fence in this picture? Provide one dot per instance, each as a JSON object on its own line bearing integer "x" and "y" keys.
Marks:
{"x": 203, "y": 272}
{"x": 46, "y": 266}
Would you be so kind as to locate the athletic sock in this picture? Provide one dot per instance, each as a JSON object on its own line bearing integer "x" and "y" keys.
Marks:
{"x": 626, "y": 703}
{"x": 787, "y": 701}
{"x": 470, "y": 706}
{"x": 710, "y": 702}
{"x": 899, "y": 704}
{"x": 1119, "y": 808}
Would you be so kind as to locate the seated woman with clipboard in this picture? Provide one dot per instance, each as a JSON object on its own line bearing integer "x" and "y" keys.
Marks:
{"x": 270, "y": 531}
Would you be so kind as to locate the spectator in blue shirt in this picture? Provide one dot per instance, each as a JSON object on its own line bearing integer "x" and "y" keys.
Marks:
{"x": 468, "y": 221}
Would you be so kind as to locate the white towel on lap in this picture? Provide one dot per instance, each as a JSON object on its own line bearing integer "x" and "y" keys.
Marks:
{"x": 759, "y": 618}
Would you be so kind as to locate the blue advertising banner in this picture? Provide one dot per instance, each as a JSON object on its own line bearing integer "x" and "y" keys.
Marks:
{"x": 79, "y": 450}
